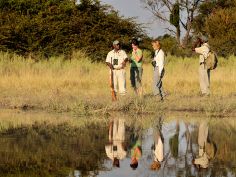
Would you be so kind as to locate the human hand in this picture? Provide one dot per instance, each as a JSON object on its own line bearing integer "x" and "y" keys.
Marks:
{"x": 123, "y": 64}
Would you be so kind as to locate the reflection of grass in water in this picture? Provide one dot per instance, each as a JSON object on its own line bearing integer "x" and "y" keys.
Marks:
{"x": 223, "y": 133}
{"x": 56, "y": 149}
{"x": 80, "y": 86}
{"x": 16, "y": 118}
{"x": 47, "y": 150}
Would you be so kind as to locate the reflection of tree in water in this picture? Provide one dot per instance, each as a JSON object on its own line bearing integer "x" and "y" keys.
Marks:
{"x": 224, "y": 135}
{"x": 223, "y": 163}
{"x": 221, "y": 138}
{"x": 174, "y": 143}
{"x": 52, "y": 150}
{"x": 179, "y": 163}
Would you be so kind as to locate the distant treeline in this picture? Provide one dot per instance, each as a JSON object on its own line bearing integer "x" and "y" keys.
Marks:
{"x": 54, "y": 27}
{"x": 45, "y": 28}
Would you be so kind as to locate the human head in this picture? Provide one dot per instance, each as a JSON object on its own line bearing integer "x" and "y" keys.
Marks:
{"x": 155, "y": 165}
{"x": 201, "y": 39}
{"x": 134, "y": 43}
{"x": 116, "y": 162}
{"x": 156, "y": 45}
{"x": 134, "y": 164}
{"x": 201, "y": 162}
{"x": 204, "y": 39}
{"x": 116, "y": 45}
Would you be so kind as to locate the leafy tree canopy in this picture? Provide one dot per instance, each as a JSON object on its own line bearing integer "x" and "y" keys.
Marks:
{"x": 54, "y": 27}
{"x": 217, "y": 20}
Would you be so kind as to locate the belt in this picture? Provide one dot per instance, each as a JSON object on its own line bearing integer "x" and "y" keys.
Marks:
{"x": 117, "y": 68}
{"x": 202, "y": 63}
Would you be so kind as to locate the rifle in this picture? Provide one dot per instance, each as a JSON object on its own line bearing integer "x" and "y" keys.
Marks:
{"x": 113, "y": 93}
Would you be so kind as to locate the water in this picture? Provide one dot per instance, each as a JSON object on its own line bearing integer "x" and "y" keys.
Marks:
{"x": 179, "y": 147}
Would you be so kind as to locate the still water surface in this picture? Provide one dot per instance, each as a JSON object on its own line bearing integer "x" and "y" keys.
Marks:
{"x": 120, "y": 147}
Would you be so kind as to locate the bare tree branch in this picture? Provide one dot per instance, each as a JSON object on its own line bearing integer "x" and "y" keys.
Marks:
{"x": 162, "y": 9}
{"x": 171, "y": 31}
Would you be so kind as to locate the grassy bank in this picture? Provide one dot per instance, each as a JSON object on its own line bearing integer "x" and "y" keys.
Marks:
{"x": 82, "y": 87}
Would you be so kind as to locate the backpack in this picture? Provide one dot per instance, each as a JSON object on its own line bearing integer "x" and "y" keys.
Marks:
{"x": 211, "y": 60}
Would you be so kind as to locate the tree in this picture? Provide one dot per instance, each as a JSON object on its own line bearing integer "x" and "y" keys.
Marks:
{"x": 217, "y": 20}
{"x": 176, "y": 13}
{"x": 55, "y": 27}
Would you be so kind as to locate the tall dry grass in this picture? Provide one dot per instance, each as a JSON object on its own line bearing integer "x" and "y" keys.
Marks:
{"x": 65, "y": 84}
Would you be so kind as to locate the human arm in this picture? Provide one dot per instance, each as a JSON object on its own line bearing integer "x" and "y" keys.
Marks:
{"x": 203, "y": 50}
{"x": 197, "y": 43}
{"x": 109, "y": 61}
{"x": 109, "y": 65}
{"x": 123, "y": 64}
{"x": 161, "y": 59}
{"x": 111, "y": 131}
{"x": 125, "y": 59}
{"x": 138, "y": 55}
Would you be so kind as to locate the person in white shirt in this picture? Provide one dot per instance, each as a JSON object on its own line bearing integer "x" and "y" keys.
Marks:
{"x": 158, "y": 64}
{"x": 116, "y": 60}
{"x": 204, "y": 73}
{"x": 158, "y": 151}
{"x": 115, "y": 150}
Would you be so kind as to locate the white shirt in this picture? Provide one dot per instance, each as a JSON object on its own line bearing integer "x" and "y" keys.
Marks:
{"x": 159, "y": 150}
{"x": 203, "y": 51}
{"x": 116, "y": 58}
{"x": 117, "y": 136}
{"x": 117, "y": 152}
{"x": 159, "y": 58}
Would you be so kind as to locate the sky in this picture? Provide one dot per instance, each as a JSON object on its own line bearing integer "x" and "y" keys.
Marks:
{"x": 134, "y": 8}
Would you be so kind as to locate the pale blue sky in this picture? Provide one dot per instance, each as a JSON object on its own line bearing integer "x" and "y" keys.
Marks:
{"x": 134, "y": 8}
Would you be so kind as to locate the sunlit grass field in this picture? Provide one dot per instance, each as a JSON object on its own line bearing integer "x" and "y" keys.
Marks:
{"x": 82, "y": 86}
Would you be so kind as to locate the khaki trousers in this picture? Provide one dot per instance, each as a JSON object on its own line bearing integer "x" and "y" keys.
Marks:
{"x": 119, "y": 78}
{"x": 204, "y": 79}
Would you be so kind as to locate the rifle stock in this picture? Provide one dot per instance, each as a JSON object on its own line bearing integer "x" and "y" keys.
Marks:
{"x": 113, "y": 93}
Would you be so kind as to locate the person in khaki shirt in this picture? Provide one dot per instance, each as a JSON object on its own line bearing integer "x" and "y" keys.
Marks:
{"x": 206, "y": 147}
{"x": 116, "y": 60}
{"x": 115, "y": 150}
{"x": 204, "y": 73}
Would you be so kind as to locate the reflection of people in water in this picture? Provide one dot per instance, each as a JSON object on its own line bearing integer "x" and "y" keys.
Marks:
{"x": 135, "y": 148}
{"x": 115, "y": 150}
{"x": 136, "y": 153}
{"x": 174, "y": 142}
{"x": 207, "y": 149}
{"x": 158, "y": 149}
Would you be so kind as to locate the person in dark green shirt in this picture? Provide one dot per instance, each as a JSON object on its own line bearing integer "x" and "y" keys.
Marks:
{"x": 136, "y": 69}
